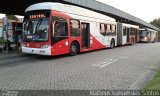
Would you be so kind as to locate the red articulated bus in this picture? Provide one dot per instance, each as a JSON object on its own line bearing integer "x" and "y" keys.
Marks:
{"x": 54, "y": 29}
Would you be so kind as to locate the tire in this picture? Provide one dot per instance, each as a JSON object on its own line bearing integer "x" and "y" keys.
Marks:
{"x": 74, "y": 49}
{"x": 112, "y": 44}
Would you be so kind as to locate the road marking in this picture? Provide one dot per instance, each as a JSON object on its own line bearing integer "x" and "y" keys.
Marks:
{"x": 102, "y": 64}
{"x": 108, "y": 63}
{"x": 105, "y": 62}
{"x": 124, "y": 57}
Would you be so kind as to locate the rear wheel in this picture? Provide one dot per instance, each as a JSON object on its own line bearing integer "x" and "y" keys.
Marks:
{"x": 73, "y": 49}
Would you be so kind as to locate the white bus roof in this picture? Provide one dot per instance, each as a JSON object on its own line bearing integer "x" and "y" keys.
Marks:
{"x": 70, "y": 9}
{"x": 129, "y": 25}
{"x": 148, "y": 29}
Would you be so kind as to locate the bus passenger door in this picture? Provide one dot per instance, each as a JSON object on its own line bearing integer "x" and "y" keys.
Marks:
{"x": 124, "y": 35}
{"x": 128, "y": 35}
{"x": 85, "y": 35}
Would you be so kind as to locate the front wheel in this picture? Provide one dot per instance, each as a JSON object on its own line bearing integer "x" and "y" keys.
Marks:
{"x": 73, "y": 49}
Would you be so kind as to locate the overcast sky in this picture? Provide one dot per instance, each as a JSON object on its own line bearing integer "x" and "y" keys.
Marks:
{"x": 146, "y": 10}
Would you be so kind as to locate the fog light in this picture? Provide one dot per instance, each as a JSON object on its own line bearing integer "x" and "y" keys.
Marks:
{"x": 45, "y": 46}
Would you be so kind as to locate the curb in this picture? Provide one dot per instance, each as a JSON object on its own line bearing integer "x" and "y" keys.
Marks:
{"x": 143, "y": 80}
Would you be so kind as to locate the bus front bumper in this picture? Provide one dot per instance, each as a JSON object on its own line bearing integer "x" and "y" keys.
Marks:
{"x": 38, "y": 51}
{"x": 143, "y": 39}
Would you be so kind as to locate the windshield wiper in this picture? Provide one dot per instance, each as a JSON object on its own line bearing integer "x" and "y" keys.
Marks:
{"x": 39, "y": 23}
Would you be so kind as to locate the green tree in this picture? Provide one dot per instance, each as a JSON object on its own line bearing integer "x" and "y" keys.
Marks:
{"x": 156, "y": 22}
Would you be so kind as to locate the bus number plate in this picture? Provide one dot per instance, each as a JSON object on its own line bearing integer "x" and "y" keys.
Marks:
{"x": 42, "y": 51}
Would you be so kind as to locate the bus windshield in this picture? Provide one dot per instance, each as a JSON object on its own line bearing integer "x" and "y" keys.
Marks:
{"x": 143, "y": 33}
{"x": 36, "y": 29}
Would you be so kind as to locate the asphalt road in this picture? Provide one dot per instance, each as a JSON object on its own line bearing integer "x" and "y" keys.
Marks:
{"x": 117, "y": 68}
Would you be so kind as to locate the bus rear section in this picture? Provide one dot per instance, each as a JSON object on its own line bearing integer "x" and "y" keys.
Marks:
{"x": 127, "y": 34}
{"x": 147, "y": 35}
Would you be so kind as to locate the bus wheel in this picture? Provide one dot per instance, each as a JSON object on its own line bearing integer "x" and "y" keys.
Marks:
{"x": 73, "y": 49}
{"x": 112, "y": 44}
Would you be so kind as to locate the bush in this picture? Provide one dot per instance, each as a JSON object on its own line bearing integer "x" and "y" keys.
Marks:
{"x": 154, "y": 83}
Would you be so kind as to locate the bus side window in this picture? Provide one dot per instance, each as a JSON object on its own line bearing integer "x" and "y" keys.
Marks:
{"x": 59, "y": 27}
{"x": 124, "y": 31}
{"x": 113, "y": 30}
{"x": 109, "y": 29}
{"x": 75, "y": 27}
{"x": 132, "y": 32}
{"x": 102, "y": 29}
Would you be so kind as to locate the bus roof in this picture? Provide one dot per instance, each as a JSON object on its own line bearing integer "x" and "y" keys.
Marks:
{"x": 65, "y": 8}
{"x": 148, "y": 29}
{"x": 129, "y": 25}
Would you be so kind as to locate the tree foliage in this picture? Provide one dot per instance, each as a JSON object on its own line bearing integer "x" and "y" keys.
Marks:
{"x": 156, "y": 22}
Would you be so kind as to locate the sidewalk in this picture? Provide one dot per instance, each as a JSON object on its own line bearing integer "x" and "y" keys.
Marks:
{"x": 9, "y": 54}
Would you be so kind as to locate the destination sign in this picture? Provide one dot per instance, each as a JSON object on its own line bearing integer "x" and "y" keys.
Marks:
{"x": 37, "y": 16}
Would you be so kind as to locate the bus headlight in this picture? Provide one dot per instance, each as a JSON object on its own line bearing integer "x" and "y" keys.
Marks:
{"x": 45, "y": 46}
{"x": 145, "y": 38}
